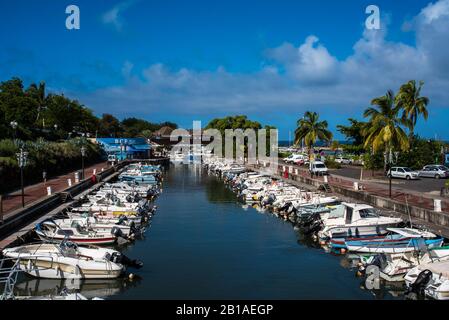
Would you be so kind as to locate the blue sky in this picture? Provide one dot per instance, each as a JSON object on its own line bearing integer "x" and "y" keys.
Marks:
{"x": 196, "y": 60}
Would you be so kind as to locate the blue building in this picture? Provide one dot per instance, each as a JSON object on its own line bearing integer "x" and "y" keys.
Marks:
{"x": 126, "y": 148}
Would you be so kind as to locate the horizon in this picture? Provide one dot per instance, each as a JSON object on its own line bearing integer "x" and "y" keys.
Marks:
{"x": 271, "y": 62}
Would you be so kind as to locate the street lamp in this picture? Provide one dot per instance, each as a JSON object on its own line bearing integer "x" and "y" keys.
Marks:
{"x": 83, "y": 154}
{"x": 14, "y": 126}
{"x": 389, "y": 161}
{"x": 122, "y": 147}
{"x": 22, "y": 161}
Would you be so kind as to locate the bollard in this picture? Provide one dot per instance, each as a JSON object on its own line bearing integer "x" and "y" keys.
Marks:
{"x": 437, "y": 205}
{"x": 290, "y": 169}
{"x": 296, "y": 171}
{"x": 95, "y": 172}
{"x": 77, "y": 177}
{"x": 283, "y": 168}
{"x": 356, "y": 186}
{"x": 49, "y": 191}
{"x": 69, "y": 182}
{"x": 325, "y": 179}
{"x": 102, "y": 169}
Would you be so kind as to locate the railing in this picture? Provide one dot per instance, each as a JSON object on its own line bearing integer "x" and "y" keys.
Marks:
{"x": 8, "y": 277}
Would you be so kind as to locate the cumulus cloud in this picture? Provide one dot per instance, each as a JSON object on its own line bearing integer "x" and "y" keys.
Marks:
{"x": 296, "y": 77}
{"x": 113, "y": 16}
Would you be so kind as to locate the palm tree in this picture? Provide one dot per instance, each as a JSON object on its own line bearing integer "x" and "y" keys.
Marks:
{"x": 385, "y": 127}
{"x": 40, "y": 97}
{"x": 310, "y": 129}
{"x": 412, "y": 103}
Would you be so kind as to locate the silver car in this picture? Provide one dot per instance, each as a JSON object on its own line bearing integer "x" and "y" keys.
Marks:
{"x": 403, "y": 173}
{"x": 434, "y": 171}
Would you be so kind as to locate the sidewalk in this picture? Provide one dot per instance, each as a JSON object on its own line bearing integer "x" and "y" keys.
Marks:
{"x": 35, "y": 192}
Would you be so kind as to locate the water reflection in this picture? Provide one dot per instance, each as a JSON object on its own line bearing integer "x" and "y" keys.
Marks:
{"x": 89, "y": 288}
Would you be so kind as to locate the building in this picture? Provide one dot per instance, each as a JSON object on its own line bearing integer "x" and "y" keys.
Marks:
{"x": 126, "y": 148}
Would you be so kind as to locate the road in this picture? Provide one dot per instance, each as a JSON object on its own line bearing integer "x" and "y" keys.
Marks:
{"x": 425, "y": 185}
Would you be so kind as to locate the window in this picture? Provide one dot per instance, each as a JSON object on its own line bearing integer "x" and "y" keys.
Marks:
{"x": 407, "y": 170}
{"x": 63, "y": 232}
{"x": 368, "y": 213}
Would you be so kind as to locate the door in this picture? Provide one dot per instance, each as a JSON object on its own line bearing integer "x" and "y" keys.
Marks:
{"x": 426, "y": 172}
{"x": 401, "y": 173}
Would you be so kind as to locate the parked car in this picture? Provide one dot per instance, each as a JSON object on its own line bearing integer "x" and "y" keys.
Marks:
{"x": 301, "y": 159}
{"x": 403, "y": 173}
{"x": 343, "y": 160}
{"x": 290, "y": 158}
{"x": 298, "y": 159}
{"x": 318, "y": 168}
{"x": 434, "y": 171}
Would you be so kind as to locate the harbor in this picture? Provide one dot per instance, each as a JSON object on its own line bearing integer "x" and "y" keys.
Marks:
{"x": 204, "y": 241}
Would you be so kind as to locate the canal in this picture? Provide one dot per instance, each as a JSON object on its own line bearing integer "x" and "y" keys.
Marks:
{"x": 203, "y": 244}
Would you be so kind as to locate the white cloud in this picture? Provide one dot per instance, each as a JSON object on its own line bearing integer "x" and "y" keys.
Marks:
{"x": 296, "y": 77}
{"x": 113, "y": 16}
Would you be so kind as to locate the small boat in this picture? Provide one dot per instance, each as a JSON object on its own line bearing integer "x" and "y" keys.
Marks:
{"x": 67, "y": 260}
{"x": 398, "y": 240}
{"x": 358, "y": 220}
{"x": 431, "y": 279}
{"x": 128, "y": 232}
{"x": 48, "y": 230}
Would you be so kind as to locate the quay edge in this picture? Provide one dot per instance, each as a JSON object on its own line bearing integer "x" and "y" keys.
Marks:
{"x": 437, "y": 222}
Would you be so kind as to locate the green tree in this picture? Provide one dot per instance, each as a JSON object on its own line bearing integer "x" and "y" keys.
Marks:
{"x": 16, "y": 105}
{"x": 39, "y": 94}
{"x": 110, "y": 126}
{"x": 311, "y": 130}
{"x": 413, "y": 104}
{"x": 353, "y": 132}
{"x": 385, "y": 130}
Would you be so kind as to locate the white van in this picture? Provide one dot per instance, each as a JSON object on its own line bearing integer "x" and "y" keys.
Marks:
{"x": 318, "y": 168}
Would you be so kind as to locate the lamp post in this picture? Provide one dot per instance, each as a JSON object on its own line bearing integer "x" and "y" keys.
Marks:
{"x": 22, "y": 161}
{"x": 14, "y": 126}
{"x": 122, "y": 146}
{"x": 83, "y": 154}
{"x": 389, "y": 161}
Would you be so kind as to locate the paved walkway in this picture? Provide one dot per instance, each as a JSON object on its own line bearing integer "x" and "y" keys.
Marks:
{"x": 38, "y": 191}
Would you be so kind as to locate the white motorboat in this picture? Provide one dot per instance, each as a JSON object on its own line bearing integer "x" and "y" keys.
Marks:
{"x": 359, "y": 220}
{"x": 50, "y": 231}
{"x": 67, "y": 260}
{"x": 93, "y": 224}
{"x": 432, "y": 279}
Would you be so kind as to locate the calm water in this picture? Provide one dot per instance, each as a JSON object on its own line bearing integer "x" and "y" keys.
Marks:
{"x": 203, "y": 244}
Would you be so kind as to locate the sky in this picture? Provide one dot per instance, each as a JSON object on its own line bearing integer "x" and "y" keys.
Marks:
{"x": 167, "y": 60}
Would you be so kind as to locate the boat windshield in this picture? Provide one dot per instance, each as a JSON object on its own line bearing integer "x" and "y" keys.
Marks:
{"x": 368, "y": 213}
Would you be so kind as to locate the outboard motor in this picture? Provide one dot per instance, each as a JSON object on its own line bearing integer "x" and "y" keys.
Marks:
{"x": 117, "y": 232}
{"x": 121, "y": 220}
{"x": 421, "y": 281}
{"x": 117, "y": 257}
{"x": 379, "y": 260}
{"x": 285, "y": 207}
{"x": 313, "y": 225}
